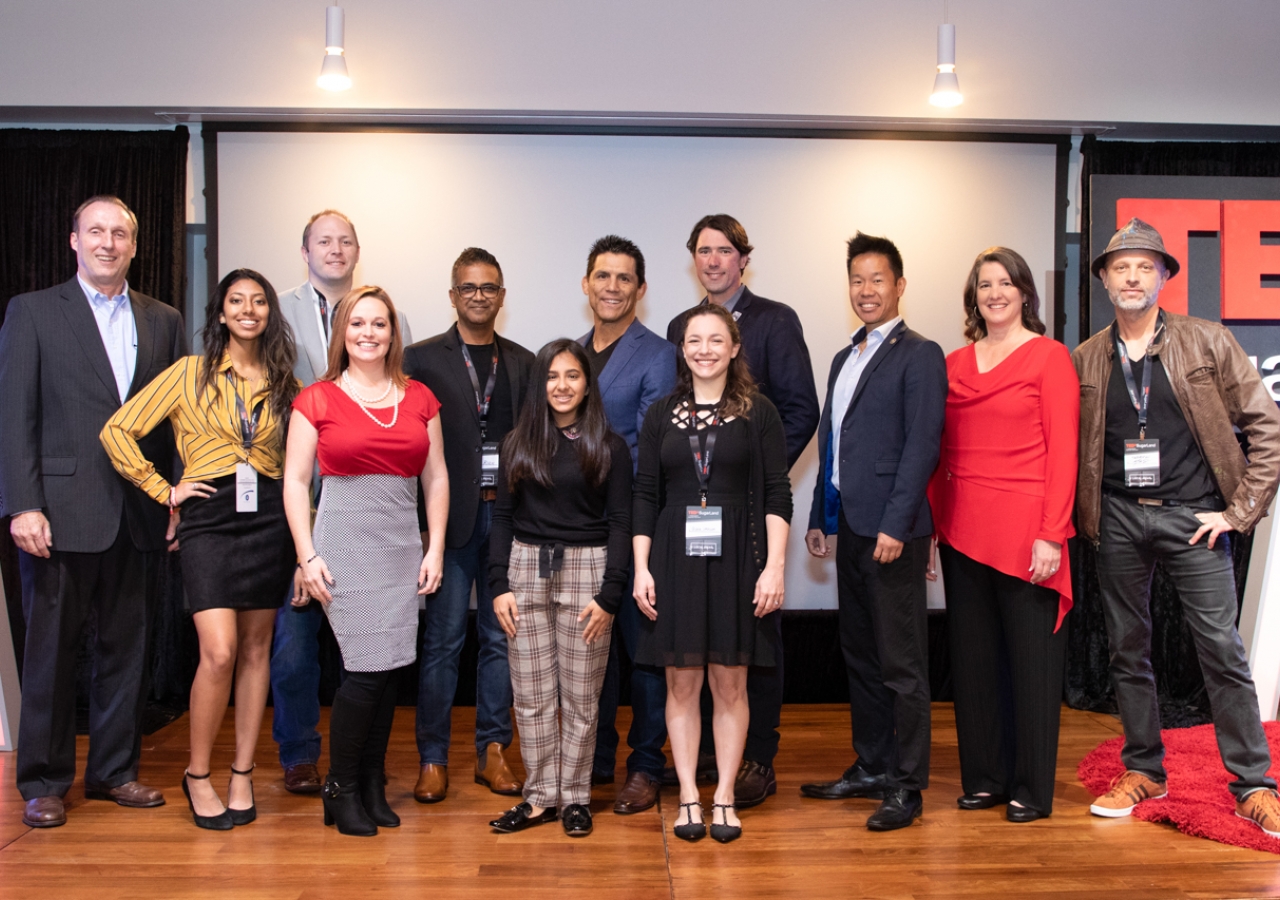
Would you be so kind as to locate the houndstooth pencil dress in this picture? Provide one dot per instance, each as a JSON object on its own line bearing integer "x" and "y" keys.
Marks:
{"x": 366, "y": 527}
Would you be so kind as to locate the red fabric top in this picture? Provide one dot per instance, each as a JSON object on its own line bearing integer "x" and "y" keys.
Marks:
{"x": 349, "y": 442}
{"x": 1007, "y": 473}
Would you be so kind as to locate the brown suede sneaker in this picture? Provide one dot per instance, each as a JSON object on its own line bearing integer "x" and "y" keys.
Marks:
{"x": 1262, "y": 808}
{"x": 1128, "y": 791}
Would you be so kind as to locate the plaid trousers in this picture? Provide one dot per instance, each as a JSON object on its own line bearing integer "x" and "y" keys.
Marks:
{"x": 552, "y": 666}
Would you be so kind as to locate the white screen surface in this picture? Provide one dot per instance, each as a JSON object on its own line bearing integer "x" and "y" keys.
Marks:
{"x": 538, "y": 202}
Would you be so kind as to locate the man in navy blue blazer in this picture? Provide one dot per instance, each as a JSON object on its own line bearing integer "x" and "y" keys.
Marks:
{"x": 632, "y": 367}
{"x": 773, "y": 342}
{"x": 878, "y": 445}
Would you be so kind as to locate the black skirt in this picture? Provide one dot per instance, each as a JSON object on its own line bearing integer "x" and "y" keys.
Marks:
{"x": 235, "y": 560}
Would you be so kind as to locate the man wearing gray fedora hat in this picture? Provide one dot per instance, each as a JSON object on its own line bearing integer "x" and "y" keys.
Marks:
{"x": 1163, "y": 479}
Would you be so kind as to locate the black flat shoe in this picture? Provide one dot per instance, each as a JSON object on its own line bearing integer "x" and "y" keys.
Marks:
{"x": 1022, "y": 813}
{"x": 520, "y": 817}
{"x": 981, "y": 801}
{"x": 855, "y": 782}
{"x": 900, "y": 808}
{"x": 576, "y": 820}
{"x": 220, "y": 822}
{"x": 691, "y": 830}
{"x": 242, "y": 816}
{"x": 724, "y": 833}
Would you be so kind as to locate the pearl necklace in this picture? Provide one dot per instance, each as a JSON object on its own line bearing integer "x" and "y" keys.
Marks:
{"x": 363, "y": 402}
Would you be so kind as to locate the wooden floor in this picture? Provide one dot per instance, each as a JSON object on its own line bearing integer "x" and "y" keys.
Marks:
{"x": 792, "y": 847}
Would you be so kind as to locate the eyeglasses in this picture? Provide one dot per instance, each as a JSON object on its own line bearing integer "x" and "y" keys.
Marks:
{"x": 489, "y": 291}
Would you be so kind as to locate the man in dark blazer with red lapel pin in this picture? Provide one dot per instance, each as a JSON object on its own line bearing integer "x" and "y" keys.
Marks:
{"x": 480, "y": 379}
{"x": 69, "y": 357}
{"x": 878, "y": 445}
{"x": 773, "y": 343}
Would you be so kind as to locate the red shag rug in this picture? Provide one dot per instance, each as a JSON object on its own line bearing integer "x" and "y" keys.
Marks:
{"x": 1198, "y": 802}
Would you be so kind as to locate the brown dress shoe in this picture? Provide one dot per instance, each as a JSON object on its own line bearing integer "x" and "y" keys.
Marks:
{"x": 131, "y": 794}
{"x": 638, "y": 794}
{"x": 495, "y": 774}
{"x": 303, "y": 778}
{"x": 44, "y": 812}
{"x": 753, "y": 784}
{"x": 433, "y": 783}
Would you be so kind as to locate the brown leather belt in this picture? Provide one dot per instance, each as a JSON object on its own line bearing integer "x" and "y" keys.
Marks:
{"x": 488, "y": 493}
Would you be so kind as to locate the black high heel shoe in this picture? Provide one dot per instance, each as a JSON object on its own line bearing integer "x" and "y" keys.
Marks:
{"x": 243, "y": 816}
{"x": 372, "y": 788}
{"x": 691, "y": 830}
{"x": 726, "y": 832}
{"x": 220, "y": 822}
{"x": 342, "y": 805}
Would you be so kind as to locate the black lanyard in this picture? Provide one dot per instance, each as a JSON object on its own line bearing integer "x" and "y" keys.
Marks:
{"x": 702, "y": 458}
{"x": 324, "y": 313}
{"x": 248, "y": 424}
{"x": 482, "y": 400}
{"x": 1140, "y": 401}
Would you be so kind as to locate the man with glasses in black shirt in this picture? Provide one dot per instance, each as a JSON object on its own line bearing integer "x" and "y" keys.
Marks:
{"x": 480, "y": 379}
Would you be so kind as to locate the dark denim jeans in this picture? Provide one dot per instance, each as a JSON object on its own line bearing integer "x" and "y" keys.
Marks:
{"x": 295, "y": 683}
{"x": 1132, "y": 538}
{"x": 648, "y": 704}
{"x": 444, "y": 633}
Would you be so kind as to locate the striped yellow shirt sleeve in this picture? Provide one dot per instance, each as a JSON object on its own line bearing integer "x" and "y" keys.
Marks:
{"x": 139, "y": 417}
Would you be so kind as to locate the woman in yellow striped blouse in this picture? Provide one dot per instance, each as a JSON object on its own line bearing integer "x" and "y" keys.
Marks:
{"x": 229, "y": 409}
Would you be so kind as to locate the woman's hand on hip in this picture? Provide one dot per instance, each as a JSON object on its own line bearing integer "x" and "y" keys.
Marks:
{"x": 643, "y": 592}
{"x": 504, "y": 607}
{"x": 598, "y": 622}
{"x": 771, "y": 589}
{"x": 1046, "y": 556}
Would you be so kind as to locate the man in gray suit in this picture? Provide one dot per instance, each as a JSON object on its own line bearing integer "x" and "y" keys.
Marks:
{"x": 331, "y": 250}
{"x": 89, "y": 541}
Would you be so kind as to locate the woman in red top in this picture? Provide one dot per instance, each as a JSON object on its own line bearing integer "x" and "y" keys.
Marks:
{"x": 375, "y": 434}
{"x": 1002, "y": 499}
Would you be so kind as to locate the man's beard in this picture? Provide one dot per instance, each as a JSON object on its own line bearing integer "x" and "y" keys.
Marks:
{"x": 1148, "y": 300}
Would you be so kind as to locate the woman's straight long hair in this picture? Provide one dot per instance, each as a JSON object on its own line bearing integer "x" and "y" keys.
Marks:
{"x": 532, "y": 443}
{"x": 739, "y": 387}
{"x": 276, "y": 349}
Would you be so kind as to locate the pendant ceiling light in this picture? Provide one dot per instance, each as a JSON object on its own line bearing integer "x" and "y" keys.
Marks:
{"x": 333, "y": 71}
{"x": 946, "y": 86}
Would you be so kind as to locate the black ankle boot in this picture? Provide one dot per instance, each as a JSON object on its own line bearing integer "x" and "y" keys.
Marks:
{"x": 372, "y": 787}
{"x": 342, "y": 805}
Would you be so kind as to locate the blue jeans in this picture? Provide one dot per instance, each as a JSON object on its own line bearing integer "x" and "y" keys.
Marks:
{"x": 648, "y": 704}
{"x": 442, "y": 639}
{"x": 295, "y": 683}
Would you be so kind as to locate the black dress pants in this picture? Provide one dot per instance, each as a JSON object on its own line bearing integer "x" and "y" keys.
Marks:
{"x": 119, "y": 586}
{"x": 1007, "y": 666}
{"x": 884, "y": 636}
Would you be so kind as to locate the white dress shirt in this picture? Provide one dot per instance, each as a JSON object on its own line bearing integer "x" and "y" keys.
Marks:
{"x": 119, "y": 332}
{"x": 847, "y": 385}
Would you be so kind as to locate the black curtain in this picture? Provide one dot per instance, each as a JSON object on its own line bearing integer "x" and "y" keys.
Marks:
{"x": 44, "y": 176}
{"x": 1178, "y": 678}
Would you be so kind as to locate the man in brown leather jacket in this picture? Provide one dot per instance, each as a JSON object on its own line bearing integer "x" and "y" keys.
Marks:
{"x": 1163, "y": 478}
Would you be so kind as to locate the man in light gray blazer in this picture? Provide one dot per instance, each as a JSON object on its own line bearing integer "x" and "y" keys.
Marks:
{"x": 331, "y": 250}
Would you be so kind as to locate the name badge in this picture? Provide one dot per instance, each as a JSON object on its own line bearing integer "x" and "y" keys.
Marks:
{"x": 703, "y": 530}
{"x": 1142, "y": 463}
{"x": 246, "y": 488}
{"x": 488, "y": 464}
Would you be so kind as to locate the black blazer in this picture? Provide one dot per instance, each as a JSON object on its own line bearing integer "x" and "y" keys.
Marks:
{"x": 890, "y": 440}
{"x": 437, "y": 362}
{"x": 57, "y": 391}
{"x": 773, "y": 342}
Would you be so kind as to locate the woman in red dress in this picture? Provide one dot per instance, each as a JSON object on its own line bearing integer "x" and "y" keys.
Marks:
{"x": 1002, "y": 499}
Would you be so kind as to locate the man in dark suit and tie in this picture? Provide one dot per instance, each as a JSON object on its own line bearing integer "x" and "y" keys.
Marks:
{"x": 69, "y": 357}
{"x": 632, "y": 367}
{"x": 773, "y": 343}
{"x": 878, "y": 446}
{"x": 480, "y": 379}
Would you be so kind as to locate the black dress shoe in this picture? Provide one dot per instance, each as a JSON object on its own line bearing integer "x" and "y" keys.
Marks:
{"x": 899, "y": 809}
{"x": 1022, "y": 813}
{"x": 753, "y": 784}
{"x": 601, "y": 777}
{"x": 576, "y": 820}
{"x": 855, "y": 782}
{"x": 520, "y": 817}
{"x": 981, "y": 801}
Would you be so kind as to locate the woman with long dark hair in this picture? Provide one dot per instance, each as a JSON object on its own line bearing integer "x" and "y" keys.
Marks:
{"x": 1002, "y": 499}
{"x": 376, "y": 434}
{"x": 229, "y": 410}
{"x": 711, "y": 517}
{"x": 558, "y": 555}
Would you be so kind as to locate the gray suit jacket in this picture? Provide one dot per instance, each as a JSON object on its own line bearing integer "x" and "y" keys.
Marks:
{"x": 57, "y": 391}
{"x": 299, "y": 308}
